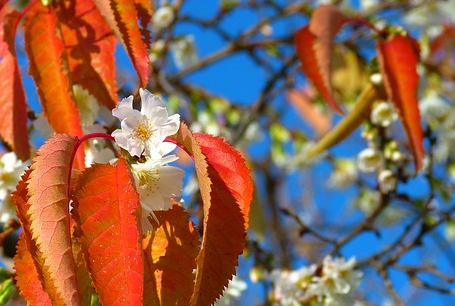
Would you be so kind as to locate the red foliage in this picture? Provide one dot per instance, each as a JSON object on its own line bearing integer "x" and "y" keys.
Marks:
{"x": 13, "y": 126}
{"x": 48, "y": 69}
{"x": 170, "y": 251}
{"x": 120, "y": 15}
{"x": 106, "y": 210}
{"x": 226, "y": 191}
{"x": 398, "y": 57}
{"x": 90, "y": 46}
{"x": 314, "y": 44}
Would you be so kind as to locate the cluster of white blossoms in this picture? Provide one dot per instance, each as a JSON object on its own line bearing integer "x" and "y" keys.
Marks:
{"x": 331, "y": 285}
{"x": 142, "y": 134}
{"x": 184, "y": 51}
{"x": 438, "y": 114}
{"x": 373, "y": 159}
{"x": 11, "y": 170}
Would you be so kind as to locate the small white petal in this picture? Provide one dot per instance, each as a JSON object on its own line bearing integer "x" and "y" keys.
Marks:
{"x": 123, "y": 108}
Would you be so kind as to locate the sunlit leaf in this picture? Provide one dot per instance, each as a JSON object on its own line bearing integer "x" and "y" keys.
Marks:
{"x": 398, "y": 58}
{"x": 170, "y": 252}
{"x": 314, "y": 44}
{"x": 45, "y": 51}
{"x": 106, "y": 208}
{"x": 48, "y": 214}
{"x": 90, "y": 45}
{"x": 122, "y": 16}
{"x": 13, "y": 123}
{"x": 28, "y": 278}
{"x": 144, "y": 10}
{"x": 226, "y": 191}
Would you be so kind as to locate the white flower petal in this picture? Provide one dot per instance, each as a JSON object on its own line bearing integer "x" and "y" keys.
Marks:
{"x": 149, "y": 101}
{"x": 123, "y": 108}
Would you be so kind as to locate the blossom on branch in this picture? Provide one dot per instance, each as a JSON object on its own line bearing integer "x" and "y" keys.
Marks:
{"x": 157, "y": 183}
{"x": 144, "y": 131}
{"x": 11, "y": 169}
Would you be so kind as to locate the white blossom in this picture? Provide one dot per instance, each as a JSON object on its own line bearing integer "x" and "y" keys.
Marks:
{"x": 232, "y": 293}
{"x": 387, "y": 181}
{"x": 86, "y": 104}
{"x": 145, "y": 131}
{"x": 433, "y": 108}
{"x": 337, "y": 282}
{"x": 11, "y": 170}
{"x": 157, "y": 183}
{"x": 383, "y": 114}
{"x": 366, "y": 5}
{"x": 7, "y": 209}
{"x": 344, "y": 174}
{"x": 42, "y": 125}
{"x": 369, "y": 160}
{"x": 163, "y": 17}
{"x": 184, "y": 51}
{"x": 290, "y": 286}
{"x": 376, "y": 78}
{"x": 95, "y": 150}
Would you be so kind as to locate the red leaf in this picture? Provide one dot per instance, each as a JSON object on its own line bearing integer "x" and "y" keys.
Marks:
{"x": 170, "y": 251}
{"x": 398, "y": 57}
{"x": 123, "y": 18}
{"x": 90, "y": 45}
{"x": 226, "y": 191}
{"x": 314, "y": 44}
{"x": 13, "y": 126}
{"x": 27, "y": 275}
{"x": 49, "y": 217}
{"x": 45, "y": 52}
{"x": 106, "y": 207}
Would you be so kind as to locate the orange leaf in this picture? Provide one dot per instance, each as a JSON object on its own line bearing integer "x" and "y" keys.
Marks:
{"x": 123, "y": 18}
{"x": 226, "y": 191}
{"x": 314, "y": 44}
{"x": 106, "y": 208}
{"x": 49, "y": 217}
{"x": 45, "y": 52}
{"x": 27, "y": 276}
{"x": 170, "y": 251}
{"x": 144, "y": 11}
{"x": 398, "y": 57}
{"x": 13, "y": 126}
{"x": 307, "y": 110}
{"x": 90, "y": 45}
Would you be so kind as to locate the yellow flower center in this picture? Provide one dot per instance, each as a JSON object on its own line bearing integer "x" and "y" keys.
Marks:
{"x": 143, "y": 131}
{"x": 149, "y": 179}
